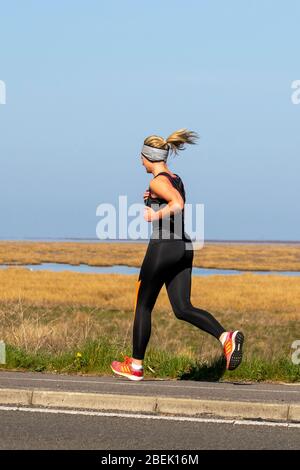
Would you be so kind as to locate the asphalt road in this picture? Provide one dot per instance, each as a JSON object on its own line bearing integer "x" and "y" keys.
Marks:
{"x": 49, "y": 428}
{"x": 256, "y": 392}
{"x": 61, "y": 430}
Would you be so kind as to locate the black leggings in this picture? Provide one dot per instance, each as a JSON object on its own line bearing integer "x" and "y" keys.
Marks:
{"x": 167, "y": 262}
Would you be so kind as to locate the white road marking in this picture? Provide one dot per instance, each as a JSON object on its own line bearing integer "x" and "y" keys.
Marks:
{"x": 148, "y": 383}
{"x": 140, "y": 416}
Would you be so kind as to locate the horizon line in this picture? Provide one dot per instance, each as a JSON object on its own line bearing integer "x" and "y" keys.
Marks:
{"x": 208, "y": 240}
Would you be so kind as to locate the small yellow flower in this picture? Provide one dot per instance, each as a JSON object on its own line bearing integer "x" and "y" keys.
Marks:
{"x": 78, "y": 354}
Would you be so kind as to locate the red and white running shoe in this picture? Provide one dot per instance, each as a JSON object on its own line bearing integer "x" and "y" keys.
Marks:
{"x": 233, "y": 349}
{"x": 125, "y": 369}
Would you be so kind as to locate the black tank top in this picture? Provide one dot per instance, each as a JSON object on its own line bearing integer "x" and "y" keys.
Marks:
{"x": 171, "y": 227}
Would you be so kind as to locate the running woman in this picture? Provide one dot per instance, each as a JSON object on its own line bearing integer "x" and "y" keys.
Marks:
{"x": 169, "y": 259}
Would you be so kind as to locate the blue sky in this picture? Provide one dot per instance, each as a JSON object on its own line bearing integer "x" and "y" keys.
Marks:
{"x": 87, "y": 81}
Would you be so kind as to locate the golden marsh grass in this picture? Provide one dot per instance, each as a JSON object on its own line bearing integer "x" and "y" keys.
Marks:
{"x": 277, "y": 257}
{"x": 43, "y": 310}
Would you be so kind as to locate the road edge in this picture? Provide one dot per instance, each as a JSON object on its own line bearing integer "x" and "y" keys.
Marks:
{"x": 285, "y": 412}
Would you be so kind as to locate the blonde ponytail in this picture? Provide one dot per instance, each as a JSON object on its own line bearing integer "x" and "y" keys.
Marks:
{"x": 176, "y": 141}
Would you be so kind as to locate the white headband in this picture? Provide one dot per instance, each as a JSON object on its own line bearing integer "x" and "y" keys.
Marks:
{"x": 154, "y": 154}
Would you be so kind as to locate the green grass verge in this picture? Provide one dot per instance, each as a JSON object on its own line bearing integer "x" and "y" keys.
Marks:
{"x": 95, "y": 358}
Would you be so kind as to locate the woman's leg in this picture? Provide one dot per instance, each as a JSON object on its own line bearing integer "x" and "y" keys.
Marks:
{"x": 159, "y": 259}
{"x": 178, "y": 286}
{"x": 146, "y": 295}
